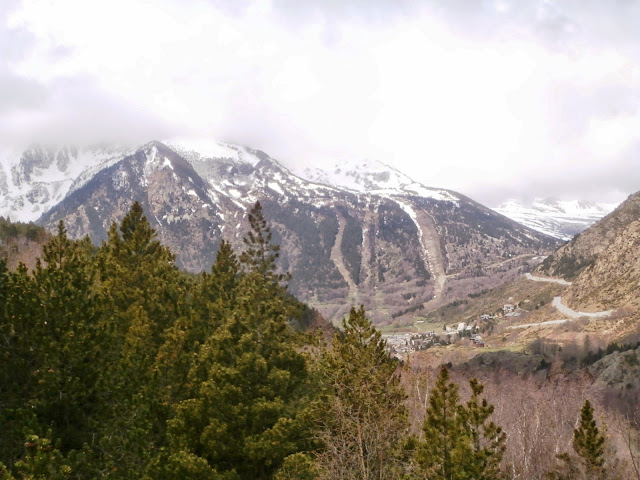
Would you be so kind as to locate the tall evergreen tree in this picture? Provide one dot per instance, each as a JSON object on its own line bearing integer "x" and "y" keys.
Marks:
{"x": 144, "y": 292}
{"x": 260, "y": 254}
{"x": 248, "y": 383}
{"x": 137, "y": 269}
{"x": 488, "y": 441}
{"x": 19, "y": 362}
{"x": 216, "y": 292}
{"x": 459, "y": 440}
{"x": 588, "y": 442}
{"x": 69, "y": 338}
{"x": 446, "y": 442}
{"x": 4, "y": 289}
{"x": 363, "y": 418}
{"x": 212, "y": 299}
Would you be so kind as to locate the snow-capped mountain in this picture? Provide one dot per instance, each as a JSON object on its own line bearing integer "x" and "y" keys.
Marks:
{"x": 372, "y": 176}
{"x": 382, "y": 240}
{"x": 34, "y": 179}
{"x": 559, "y": 218}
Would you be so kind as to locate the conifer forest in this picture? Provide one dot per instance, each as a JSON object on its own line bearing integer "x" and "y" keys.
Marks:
{"x": 115, "y": 364}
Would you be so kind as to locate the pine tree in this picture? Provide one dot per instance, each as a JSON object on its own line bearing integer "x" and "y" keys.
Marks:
{"x": 137, "y": 269}
{"x": 19, "y": 360}
{"x": 588, "y": 442}
{"x": 42, "y": 461}
{"x": 363, "y": 418}
{"x": 225, "y": 273}
{"x": 446, "y": 442}
{"x": 216, "y": 292}
{"x": 488, "y": 441}
{"x": 4, "y": 290}
{"x": 260, "y": 255}
{"x": 143, "y": 293}
{"x": 50, "y": 341}
{"x": 244, "y": 414}
{"x": 213, "y": 298}
{"x": 247, "y": 385}
{"x": 69, "y": 338}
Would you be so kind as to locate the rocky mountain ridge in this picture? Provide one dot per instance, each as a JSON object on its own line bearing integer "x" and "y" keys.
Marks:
{"x": 557, "y": 218}
{"x": 35, "y": 179}
{"x": 393, "y": 250}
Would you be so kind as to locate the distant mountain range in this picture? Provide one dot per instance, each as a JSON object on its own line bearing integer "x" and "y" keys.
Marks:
{"x": 558, "y": 218}
{"x": 369, "y": 234}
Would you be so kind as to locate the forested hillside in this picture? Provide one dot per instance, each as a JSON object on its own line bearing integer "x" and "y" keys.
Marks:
{"x": 115, "y": 364}
{"x": 21, "y": 242}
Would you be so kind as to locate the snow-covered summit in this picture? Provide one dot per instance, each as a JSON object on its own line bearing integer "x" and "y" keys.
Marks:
{"x": 558, "y": 218}
{"x": 36, "y": 178}
{"x": 371, "y": 176}
{"x": 201, "y": 149}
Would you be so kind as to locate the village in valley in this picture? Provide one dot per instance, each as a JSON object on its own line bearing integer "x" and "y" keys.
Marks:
{"x": 400, "y": 344}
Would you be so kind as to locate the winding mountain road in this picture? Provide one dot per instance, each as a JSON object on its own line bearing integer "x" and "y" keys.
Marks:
{"x": 561, "y": 307}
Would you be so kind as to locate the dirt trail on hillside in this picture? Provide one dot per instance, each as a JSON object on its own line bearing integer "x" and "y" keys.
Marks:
{"x": 336, "y": 258}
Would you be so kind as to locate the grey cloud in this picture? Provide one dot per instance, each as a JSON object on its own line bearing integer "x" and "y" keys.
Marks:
{"x": 14, "y": 42}
{"x": 19, "y": 93}
{"x": 81, "y": 111}
{"x": 557, "y": 23}
{"x": 572, "y": 108}
{"x": 608, "y": 182}
{"x": 71, "y": 108}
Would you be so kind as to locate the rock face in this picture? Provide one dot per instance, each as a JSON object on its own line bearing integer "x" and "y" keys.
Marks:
{"x": 397, "y": 250}
{"x": 603, "y": 261}
{"x": 619, "y": 370}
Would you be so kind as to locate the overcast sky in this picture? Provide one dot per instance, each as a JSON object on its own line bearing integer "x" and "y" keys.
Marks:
{"x": 495, "y": 99}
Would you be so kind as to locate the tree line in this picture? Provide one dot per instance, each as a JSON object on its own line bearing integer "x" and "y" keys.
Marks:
{"x": 115, "y": 364}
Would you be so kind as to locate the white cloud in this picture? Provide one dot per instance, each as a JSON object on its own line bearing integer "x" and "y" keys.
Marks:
{"x": 491, "y": 98}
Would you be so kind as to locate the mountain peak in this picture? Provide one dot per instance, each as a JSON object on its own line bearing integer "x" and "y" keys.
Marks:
{"x": 373, "y": 176}
{"x": 204, "y": 148}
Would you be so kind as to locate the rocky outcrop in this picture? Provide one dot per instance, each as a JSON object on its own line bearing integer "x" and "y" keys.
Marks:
{"x": 618, "y": 370}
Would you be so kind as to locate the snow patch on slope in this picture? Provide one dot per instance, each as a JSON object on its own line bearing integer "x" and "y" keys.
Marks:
{"x": 558, "y": 218}
{"x": 36, "y": 178}
{"x": 370, "y": 176}
{"x": 199, "y": 148}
